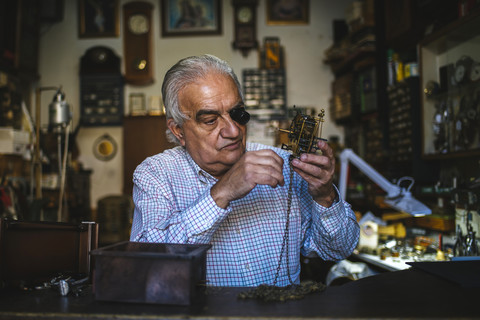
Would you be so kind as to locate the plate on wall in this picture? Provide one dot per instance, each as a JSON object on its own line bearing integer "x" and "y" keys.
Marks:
{"x": 105, "y": 148}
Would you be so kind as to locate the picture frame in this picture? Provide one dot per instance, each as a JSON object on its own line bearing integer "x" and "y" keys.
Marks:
{"x": 137, "y": 104}
{"x": 155, "y": 106}
{"x": 98, "y": 19}
{"x": 288, "y": 12}
{"x": 191, "y": 18}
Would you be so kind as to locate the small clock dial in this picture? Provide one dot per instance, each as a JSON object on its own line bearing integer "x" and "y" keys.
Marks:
{"x": 459, "y": 73}
{"x": 462, "y": 69}
{"x": 138, "y": 24}
{"x": 245, "y": 14}
{"x": 475, "y": 72}
{"x": 99, "y": 55}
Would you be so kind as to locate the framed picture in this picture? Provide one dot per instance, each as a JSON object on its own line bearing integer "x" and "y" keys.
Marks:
{"x": 191, "y": 17}
{"x": 98, "y": 19}
{"x": 137, "y": 104}
{"x": 287, "y": 12}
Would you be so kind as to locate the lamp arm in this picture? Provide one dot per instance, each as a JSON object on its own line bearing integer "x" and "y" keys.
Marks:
{"x": 346, "y": 156}
{"x": 398, "y": 198}
{"x": 37, "y": 161}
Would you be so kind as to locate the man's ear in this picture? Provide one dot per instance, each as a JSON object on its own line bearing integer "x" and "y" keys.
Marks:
{"x": 176, "y": 130}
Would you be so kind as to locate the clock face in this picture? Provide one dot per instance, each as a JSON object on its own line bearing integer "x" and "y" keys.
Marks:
{"x": 459, "y": 73}
{"x": 475, "y": 72}
{"x": 99, "y": 55}
{"x": 245, "y": 14}
{"x": 463, "y": 69}
{"x": 138, "y": 24}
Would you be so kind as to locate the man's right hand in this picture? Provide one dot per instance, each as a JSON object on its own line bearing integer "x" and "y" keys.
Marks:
{"x": 254, "y": 167}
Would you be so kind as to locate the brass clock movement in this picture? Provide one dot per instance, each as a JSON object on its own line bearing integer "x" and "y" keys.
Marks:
{"x": 137, "y": 43}
{"x": 245, "y": 20}
{"x": 302, "y": 135}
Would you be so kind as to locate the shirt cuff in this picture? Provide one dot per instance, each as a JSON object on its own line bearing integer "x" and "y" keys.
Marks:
{"x": 332, "y": 216}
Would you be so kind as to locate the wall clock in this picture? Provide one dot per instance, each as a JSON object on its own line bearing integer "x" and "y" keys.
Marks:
{"x": 462, "y": 69}
{"x": 475, "y": 72}
{"x": 245, "y": 25}
{"x": 137, "y": 43}
{"x": 101, "y": 88}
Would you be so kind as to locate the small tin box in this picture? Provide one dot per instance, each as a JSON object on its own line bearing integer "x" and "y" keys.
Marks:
{"x": 160, "y": 273}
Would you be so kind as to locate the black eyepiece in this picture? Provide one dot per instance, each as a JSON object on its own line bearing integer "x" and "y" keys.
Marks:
{"x": 240, "y": 115}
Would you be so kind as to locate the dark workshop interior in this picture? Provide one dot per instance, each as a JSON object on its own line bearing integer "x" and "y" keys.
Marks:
{"x": 397, "y": 83}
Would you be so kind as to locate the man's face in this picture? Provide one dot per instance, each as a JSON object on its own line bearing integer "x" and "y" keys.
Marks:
{"x": 210, "y": 136}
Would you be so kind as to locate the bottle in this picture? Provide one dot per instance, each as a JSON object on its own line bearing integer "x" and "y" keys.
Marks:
{"x": 390, "y": 68}
{"x": 398, "y": 68}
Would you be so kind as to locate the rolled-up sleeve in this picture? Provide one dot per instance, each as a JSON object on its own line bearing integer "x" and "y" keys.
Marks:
{"x": 160, "y": 216}
{"x": 332, "y": 233}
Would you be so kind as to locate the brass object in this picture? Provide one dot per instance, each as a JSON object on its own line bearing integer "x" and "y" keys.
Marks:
{"x": 302, "y": 134}
{"x": 292, "y": 292}
{"x": 105, "y": 148}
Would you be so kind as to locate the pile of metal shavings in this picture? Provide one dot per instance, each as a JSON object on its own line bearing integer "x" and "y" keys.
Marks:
{"x": 269, "y": 293}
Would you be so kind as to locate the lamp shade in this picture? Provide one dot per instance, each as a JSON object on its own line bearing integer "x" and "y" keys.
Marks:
{"x": 59, "y": 114}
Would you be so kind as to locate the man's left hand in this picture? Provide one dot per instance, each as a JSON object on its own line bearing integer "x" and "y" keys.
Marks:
{"x": 318, "y": 171}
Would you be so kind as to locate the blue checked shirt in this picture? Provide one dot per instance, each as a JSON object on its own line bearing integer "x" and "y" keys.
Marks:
{"x": 173, "y": 205}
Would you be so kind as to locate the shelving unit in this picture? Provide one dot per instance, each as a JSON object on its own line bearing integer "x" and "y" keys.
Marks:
{"x": 265, "y": 93}
{"x": 358, "y": 94}
{"x": 450, "y": 72}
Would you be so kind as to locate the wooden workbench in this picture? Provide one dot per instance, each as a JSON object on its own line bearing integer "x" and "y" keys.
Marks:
{"x": 403, "y": 294}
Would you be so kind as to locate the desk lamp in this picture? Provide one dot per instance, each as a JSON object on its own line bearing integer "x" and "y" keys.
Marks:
{"x": 397, "y": 197}
{"x": 59, "y": 117}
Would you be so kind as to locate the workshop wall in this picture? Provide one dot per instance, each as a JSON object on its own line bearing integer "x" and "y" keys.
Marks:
{"x": 308, "y": 78}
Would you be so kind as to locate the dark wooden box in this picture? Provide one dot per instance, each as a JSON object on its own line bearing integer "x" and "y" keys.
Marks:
{"x": 156, "y": 273}
{"x": 34, "y": 252}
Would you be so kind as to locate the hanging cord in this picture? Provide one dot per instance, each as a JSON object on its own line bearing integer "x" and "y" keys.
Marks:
{"x": 292, "y": 291}
{"x": 63, "y": 174}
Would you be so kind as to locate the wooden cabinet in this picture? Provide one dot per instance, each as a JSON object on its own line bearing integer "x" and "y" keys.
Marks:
{"x": 450, "y": 76}
{"x": 358, "y": 100}
{"x": 19, "y": 38}
{"x": 143, "y": 136}
{"x": 404, "y": 130}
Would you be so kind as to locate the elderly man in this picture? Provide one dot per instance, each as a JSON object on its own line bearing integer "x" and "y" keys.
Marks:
{"x": 216, "y": 188}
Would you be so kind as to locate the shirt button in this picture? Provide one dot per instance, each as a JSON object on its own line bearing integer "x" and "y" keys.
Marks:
{"x": 237, "y": 230}
{"x": 247, "y": 266}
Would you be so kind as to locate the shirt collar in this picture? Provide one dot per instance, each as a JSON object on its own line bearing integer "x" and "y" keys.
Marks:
{"x": 202, "y": 175}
